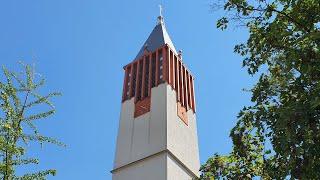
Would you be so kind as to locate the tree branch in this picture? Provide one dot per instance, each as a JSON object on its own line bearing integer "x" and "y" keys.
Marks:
{"x": 273, "y": 10}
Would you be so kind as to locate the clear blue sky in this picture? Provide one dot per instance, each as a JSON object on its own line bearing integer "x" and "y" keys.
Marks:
{"x": 80, "y": 46}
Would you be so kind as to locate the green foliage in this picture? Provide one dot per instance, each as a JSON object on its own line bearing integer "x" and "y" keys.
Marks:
{"x": 18, "y": 100}
{"x": 278, "y": 137}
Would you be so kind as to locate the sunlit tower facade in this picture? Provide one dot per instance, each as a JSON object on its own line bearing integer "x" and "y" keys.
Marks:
{"x": 157, "y": 137}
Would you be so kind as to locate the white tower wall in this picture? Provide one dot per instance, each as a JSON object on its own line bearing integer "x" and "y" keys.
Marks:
{"x": 157, "y": 145}
{"x": 182, "y": 139}
{"x": 152, "y": 168}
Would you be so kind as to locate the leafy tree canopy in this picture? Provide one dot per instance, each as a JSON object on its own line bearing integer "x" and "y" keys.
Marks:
{"x": 278, "y": 136}
{"x": 19, "y": 99}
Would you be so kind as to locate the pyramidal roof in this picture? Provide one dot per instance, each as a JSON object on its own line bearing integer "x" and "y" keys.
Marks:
{"x": 158, "y": 37}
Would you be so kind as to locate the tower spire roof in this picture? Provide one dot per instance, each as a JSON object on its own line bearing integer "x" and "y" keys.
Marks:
{"x": 158, "y": 37}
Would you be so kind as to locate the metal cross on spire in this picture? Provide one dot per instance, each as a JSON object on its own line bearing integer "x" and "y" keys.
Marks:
{"x": 160, "y": 18}
{"x": 160, "y": 8}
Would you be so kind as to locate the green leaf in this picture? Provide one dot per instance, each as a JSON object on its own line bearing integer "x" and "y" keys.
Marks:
{"x": 39, "y": 116}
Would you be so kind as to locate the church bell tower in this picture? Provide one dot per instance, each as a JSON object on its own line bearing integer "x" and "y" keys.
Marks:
{"x": 157, "y": 136}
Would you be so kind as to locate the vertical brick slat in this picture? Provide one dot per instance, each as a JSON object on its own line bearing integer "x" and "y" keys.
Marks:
{"x": 137, "y": 82}
{"x": 178, "y": 78}
{"x": 186, "y": 88}
{"x": 164, "y": 65}
{"x": 143, "y": 76}
{"x": 193, "y": 95}
{"x": 182, "y": 84}
{"x": 131, "y": 79}
{"x": 189, "y": 91}
{"x": 173, "y": 70}
{"x": 157, "y": 69}
{"x": 150, "y": 74}
{"x": 125, "y": 82}
{"x": 168, "y": 65}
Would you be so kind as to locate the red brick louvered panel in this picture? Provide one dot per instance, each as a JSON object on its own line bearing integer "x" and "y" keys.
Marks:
{"x": 142, "y": 107}
{"x": 155, "y": 68}
{"x": 182, "y": 113}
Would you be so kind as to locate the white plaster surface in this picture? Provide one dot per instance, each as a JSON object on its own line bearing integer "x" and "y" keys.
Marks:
{"x": 182, "y": 139}
{"x": 144, "y": 135}
{"x": 149, "y": 169}
{"x": 123, "y": 150}
{"x": 175, "y": 171}
{"x": 160, "y": 129}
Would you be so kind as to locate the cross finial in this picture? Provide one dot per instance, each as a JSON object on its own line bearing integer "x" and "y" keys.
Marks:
{"x": 160, "y": 8}
{"x": 160, "y": 18}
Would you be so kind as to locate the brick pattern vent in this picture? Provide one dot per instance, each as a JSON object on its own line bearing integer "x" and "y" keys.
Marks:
{"x": 155, "y": 68}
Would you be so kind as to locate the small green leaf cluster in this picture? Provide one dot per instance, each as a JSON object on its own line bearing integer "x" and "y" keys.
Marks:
{"x": 19, "y": 99}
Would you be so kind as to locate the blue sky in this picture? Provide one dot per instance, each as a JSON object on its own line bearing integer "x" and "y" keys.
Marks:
{"x": 80, "y": 46}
